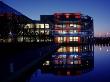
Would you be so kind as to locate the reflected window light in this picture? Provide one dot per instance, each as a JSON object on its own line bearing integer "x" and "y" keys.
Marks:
{"x": 64, "y": 56}
{"x": 85, "y": 48}
{"x": 68, "y": 73}
{"x": 11, "y": 67}
{"x": 100, "y": 48}
{"x": 71, "y": 62}
{"x": 79, "y": 61}
{"x": 46, "y": 63}
{"x": 75, "y": 56}
{"x": 75, "y": 61}
{"x": 107, "y": 50}
{"x": 20, "y": 39}
{"x": 42, "y": 31}
{"x": 85, "y": 23}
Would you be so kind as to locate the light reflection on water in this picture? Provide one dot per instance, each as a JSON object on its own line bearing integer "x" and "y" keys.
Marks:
{"x": 87, "y": 64}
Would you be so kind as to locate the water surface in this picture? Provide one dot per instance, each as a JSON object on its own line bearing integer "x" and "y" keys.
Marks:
{"x": 85, "y": 63}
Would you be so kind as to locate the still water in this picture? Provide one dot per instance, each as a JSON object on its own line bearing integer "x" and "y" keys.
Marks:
{"x": 85, "y": 63}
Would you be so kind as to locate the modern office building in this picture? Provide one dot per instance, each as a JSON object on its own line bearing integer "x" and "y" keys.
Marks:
{"x": 70, "y": 27}
{"x": 58, "y": 28}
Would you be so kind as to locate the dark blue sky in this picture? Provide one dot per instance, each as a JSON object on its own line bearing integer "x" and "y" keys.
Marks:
{"x": 98, "y": 9}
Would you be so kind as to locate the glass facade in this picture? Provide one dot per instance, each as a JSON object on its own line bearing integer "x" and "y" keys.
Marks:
{"x": 70, "y": 27}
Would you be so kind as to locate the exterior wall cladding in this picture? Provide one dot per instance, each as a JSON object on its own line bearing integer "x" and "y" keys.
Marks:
{"x": 70, "y": 27}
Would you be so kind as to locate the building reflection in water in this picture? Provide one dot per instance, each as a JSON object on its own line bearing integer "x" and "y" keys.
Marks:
{"x": 70, "y": 60}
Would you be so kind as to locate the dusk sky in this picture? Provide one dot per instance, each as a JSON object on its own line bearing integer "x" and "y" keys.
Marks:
{"x": 98, "y": 9}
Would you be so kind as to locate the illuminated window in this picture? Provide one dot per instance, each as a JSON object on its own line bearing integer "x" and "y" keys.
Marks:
{"x": 76, "y": 62}
{"x": 75, "y": 49}
{"x": 78, "y": 26}
{"x": 77, "y": 16}
{"x": 41, "y": 26}
{"x": 60, "y": 39}
{"x": 71, "y": 31}
{"x": 62, "y": 49}
{"x": 71, "y": 38}
{"x": 67, "y": 16}
{"x": 29, "y": 26}
{"x": 64, "y": 32}
{"x": 64, "y": 25}
{"x": 75, "y": 38}
{"x": 71, "y": 25}
{"x": 60, "y": 31}
{"x": 60, "y": 26}
{"x": 46, "y": 25}
{"x": 64, "y": 39}
{"x": 71, "y": 49}
{"x": 46, "y": 63}
{"x": 75, "y": 31}
{"x": 37, "y": 25}
{"x": 75, "y": 25}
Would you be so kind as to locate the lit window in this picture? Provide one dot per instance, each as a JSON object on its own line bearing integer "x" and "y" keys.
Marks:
{"x": 29, "y": 26}
{"x": 41, "y": 25}
{"x": 71, "y": 62}
{"x": 64, "y": 38}
{"x": 46, "y": 63}
{"x": 71, "y": 25}
{"x": 78, "y": 26}
{"x": 75, "y": 25}
{"x": 64, "y": 25}
{"x": 59, "y": 26}
{"x": 60, "y": 50}
{"x": 64, "y": 32}
{"x": 71, "y": 38}
{"x": 75, "y": 31}
{"x": 75, "y": 49}
{"x": 60, "y": 39}
{"x": 75, "y": 38}
{"x": 46, "y": 25}
{"x": 60, "y": 31}
{"x": 37, "y": 26}
{"x": 71, "y": 32}
{"x": 67, "y": 16}
{"x": 71, "y": 49}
